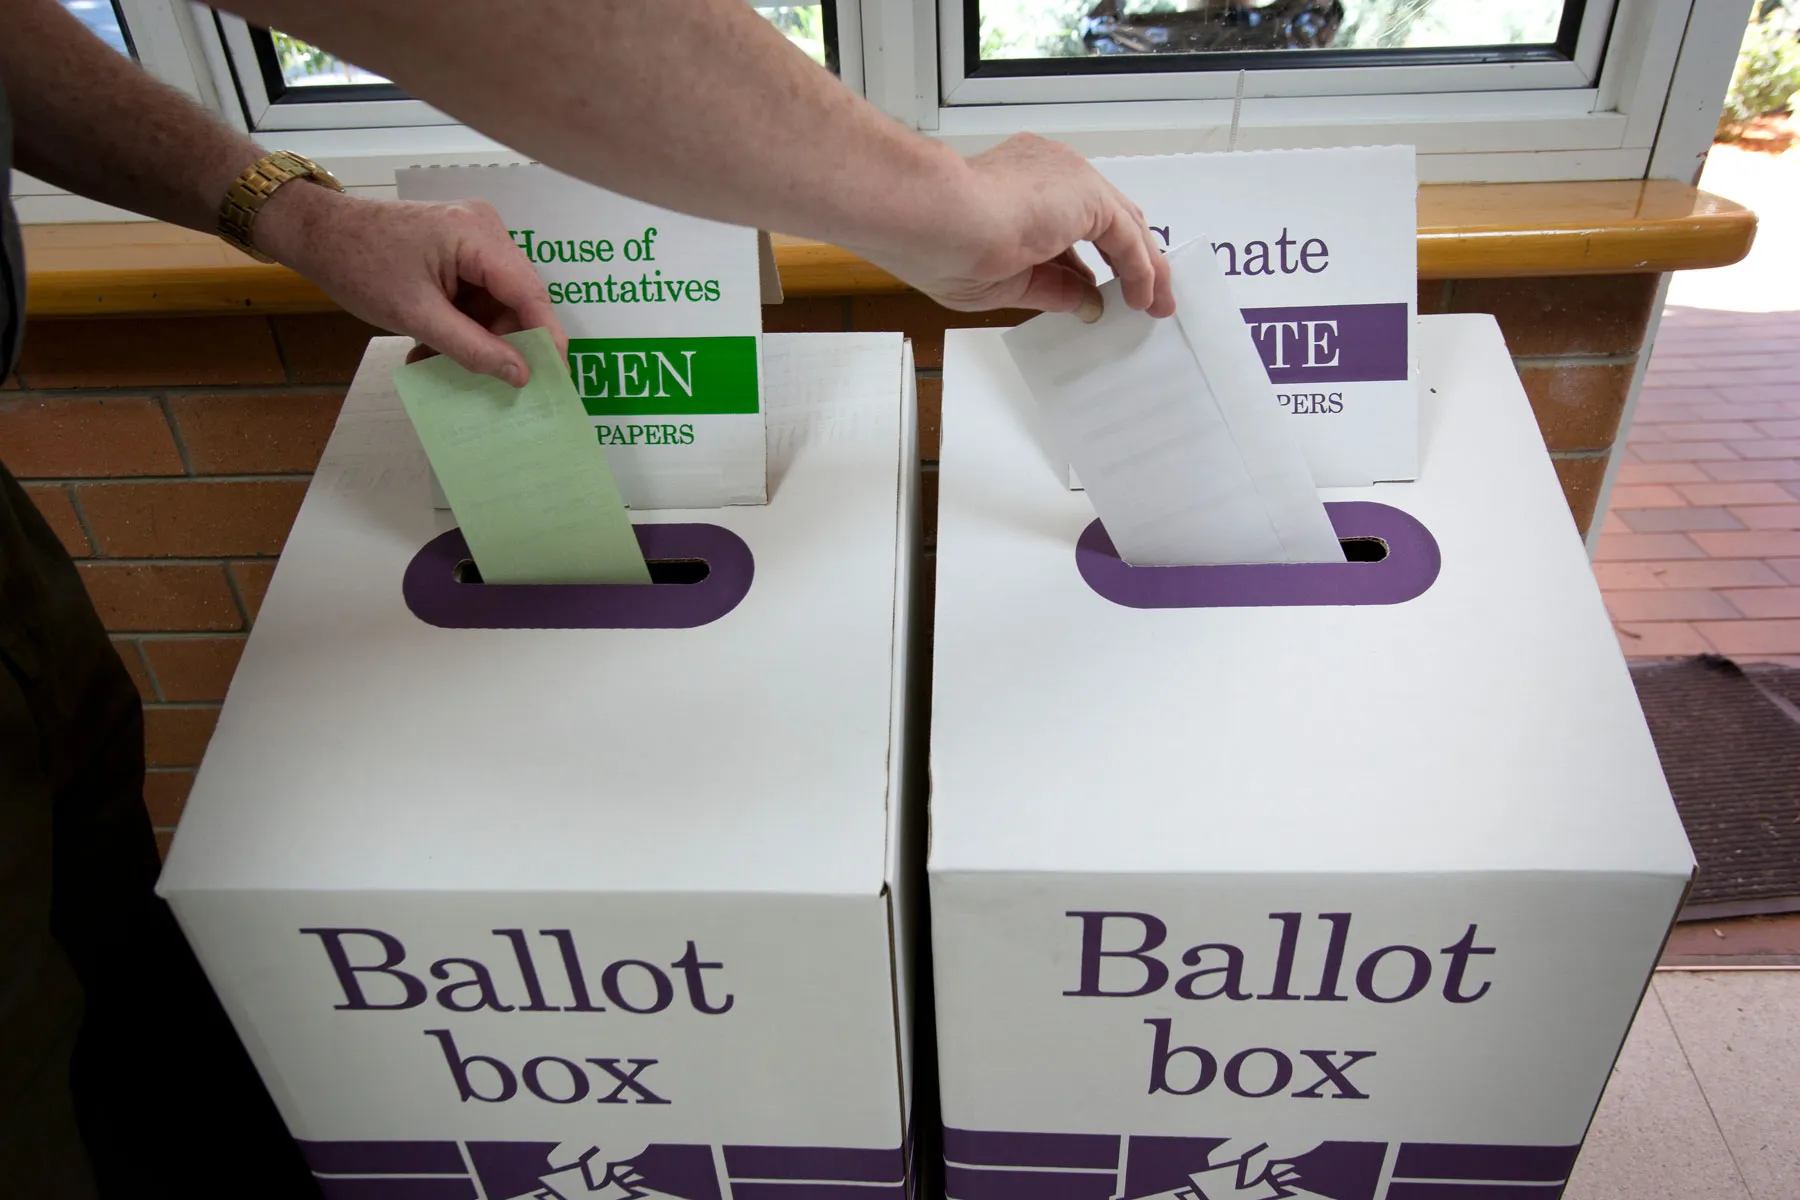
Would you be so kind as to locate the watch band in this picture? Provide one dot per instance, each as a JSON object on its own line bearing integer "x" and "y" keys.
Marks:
{"x": 251, "y": 190}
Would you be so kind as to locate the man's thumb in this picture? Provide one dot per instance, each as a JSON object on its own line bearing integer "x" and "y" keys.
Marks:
{"x": 1054, "y": 287}
{"x": 456, "y": 337}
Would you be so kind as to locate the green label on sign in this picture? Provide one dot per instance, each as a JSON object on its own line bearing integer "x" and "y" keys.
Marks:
{"x": 633, "y": 377}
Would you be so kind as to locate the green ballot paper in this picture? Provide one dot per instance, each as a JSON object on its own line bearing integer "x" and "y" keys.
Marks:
{"x": 523, "y": 470}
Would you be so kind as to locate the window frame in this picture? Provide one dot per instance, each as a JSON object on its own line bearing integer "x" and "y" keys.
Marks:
{"x": 266, "y": 113}
{"x": 239, "y": 69}
{"x": 1312, "y": 72}
{"x": 1599, "y": 122}
{"x": 159, "y": 36}
{"x": 1650, "y": 111}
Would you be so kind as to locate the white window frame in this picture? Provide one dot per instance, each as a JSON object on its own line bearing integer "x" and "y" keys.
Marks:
{"x": 235, "y": 68}
{"x": 1649, "y": 112}
{"x": 1591, "y": 118}
{"x": 959, "y": 90}
{"x": 264, "y": 115}
{"x": 166, "y": 47}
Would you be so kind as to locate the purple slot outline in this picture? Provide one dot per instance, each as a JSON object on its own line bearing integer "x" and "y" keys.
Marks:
{"x": 436, "y": 598}
{"x": 1411, "y": 566}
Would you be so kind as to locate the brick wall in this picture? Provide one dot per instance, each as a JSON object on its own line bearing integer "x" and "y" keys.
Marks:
{"x": 171, "y": 454}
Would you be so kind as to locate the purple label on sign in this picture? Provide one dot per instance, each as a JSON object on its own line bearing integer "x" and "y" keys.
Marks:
{"x": 1332, "y": 343}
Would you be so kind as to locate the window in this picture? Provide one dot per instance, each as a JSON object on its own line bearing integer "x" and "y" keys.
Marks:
{"x": 1062, "y": 51}
{"x": 103, "y": 20}
{"x": 288, "y": 63}
{"x": 1488, "y": 90}
{"x": 1043, "y": 36}
{"x": 812, "y": 27}
{"x": 286, "y": 83}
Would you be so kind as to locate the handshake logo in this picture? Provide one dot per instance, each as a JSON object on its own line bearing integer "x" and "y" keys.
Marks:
{"x": 581, "y": 1172}
{"x": 1246, "y": 1169}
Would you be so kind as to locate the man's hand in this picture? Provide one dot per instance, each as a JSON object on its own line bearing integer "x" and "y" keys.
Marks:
{"x": 1011, "y": 245}
{"x": 446, "y": 274}
{"x": 709, "y": 110}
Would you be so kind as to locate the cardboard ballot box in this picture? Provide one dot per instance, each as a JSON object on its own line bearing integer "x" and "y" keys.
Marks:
{"x": 1318, "y": 880}
{"x": 571, "y": 891}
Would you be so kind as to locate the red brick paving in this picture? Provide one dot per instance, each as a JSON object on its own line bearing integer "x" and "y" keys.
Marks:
{"x": 1700, "y": 550}
{"x": 1774, "y": 941}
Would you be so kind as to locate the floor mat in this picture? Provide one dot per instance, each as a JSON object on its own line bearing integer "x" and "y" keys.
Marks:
{"x": 1729, "y": 740}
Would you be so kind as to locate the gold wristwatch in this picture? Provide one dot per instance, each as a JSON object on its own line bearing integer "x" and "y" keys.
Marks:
{"x": 251, "y": 190}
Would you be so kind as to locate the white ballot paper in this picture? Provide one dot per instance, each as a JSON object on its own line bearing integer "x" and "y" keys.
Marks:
{"x": 1174, "y": 429}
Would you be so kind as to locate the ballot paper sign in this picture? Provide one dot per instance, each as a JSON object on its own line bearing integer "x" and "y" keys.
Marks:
{"x": 664, "y": 317}
{"x": 1173, "y": 428}
{"x": 1321, "y": 250}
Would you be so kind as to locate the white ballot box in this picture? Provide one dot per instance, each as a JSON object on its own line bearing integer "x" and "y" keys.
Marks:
{"x": 574, "y": 891}
{"x": 1316, "y": 880}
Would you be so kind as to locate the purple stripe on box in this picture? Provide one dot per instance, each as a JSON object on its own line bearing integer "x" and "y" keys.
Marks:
{"x": 1330, "y": 343}
{"x": 1158, "y": 1164}
{"x": 972, "y": 1183}
{"x": 1510, "y": 1164}
{"x": 982, "y": 1148}
{"x": 677, "y": 1169}
{"x": 1339, "y": 1170}
{"x": 512, "y": 1168}
{"x": 795, "y": 1190}
{"x": 435, "y": 597}
{"x": 1410, "y": 567}
{"x": 1401, "y": 1190}
{"x": 831, "y": 1163}
{"x": 396, "y": 1188}
{"x": 384, "y": 1158}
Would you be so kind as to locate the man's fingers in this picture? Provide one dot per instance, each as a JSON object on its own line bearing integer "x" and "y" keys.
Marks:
{"x": 1162, "y": 302}
{"x": 515, "y": 284}
{"x": 1069, "y": 258}
{"x": 518, "y": 301}
{"x": 450, "y": 332}
{"x": 1055, "y": 286}
{"x": 1121, "y": 240}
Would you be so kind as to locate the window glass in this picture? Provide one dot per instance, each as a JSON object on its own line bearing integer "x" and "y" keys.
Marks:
{"x": 102, "y": 17}
{"x": 805, "y": 26}
{"x": 1023, "y": 29}
{"x": 305, "y": 65}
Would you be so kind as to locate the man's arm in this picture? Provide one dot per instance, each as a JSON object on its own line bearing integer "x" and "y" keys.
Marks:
{"x": 702, "y": 106}
{"x": 88, "y": 120}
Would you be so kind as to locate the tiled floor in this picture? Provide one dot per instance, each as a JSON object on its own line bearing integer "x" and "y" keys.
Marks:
{"x": 1701, "y": 1103}
{"x": 1700, "y": 551}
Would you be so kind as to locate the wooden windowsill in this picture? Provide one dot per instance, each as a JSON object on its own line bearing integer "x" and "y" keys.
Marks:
{"x": 1466, "y": 231}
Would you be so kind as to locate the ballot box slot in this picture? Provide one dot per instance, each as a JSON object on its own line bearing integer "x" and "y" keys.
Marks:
{"x": 671, "y": 571}
{"x": 698, "y": 573}
{"x": 1390, "y": 558}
